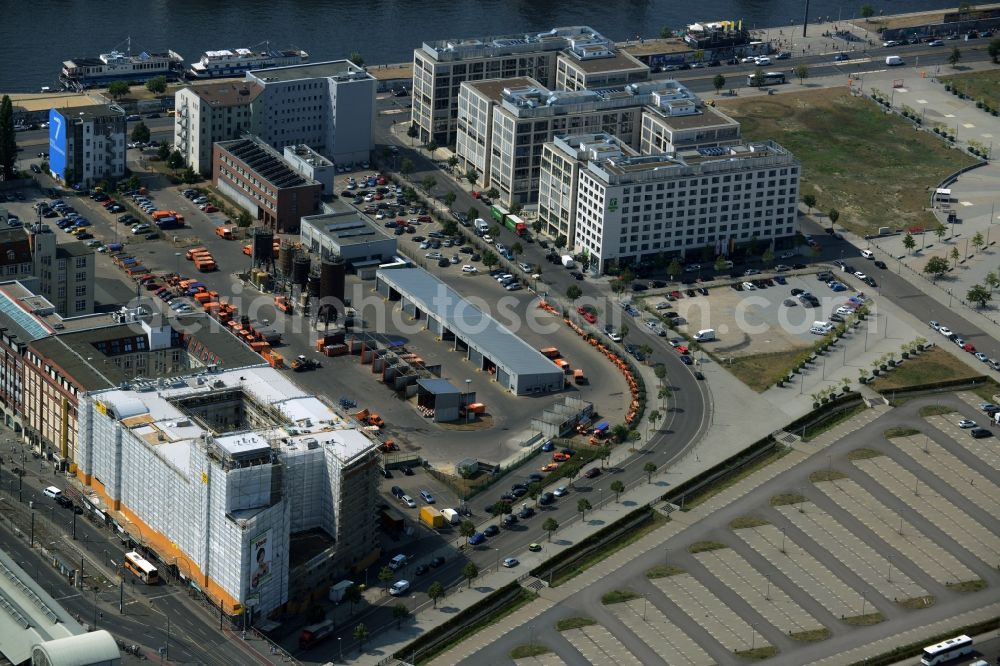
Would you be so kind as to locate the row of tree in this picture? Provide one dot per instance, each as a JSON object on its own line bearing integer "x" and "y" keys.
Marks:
{"x": 8, "y": 140}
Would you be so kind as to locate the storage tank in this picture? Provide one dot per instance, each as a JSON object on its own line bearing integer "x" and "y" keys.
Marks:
{"x": 332, "y": 273}
{"x": 263, "y": 246}
{"x": 312, "y": 285}
{"x": 286, "y": 254}
{"x": 300, "y": 270}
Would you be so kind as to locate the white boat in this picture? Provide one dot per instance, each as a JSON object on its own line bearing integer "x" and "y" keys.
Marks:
{"x": 235, "y": 62}
{"x": 80, "y": 73}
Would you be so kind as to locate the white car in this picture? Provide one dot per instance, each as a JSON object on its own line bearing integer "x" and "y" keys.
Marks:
{"x": 843, "y": 310}
{"x": 434, "y": 255}
{"x": 614, "y": 336}
{"x": 967, "y": 423}
{"x": 487, "y": 238}
{"x": 860, "y": 275}
{"x": 763, "y": 60}
{"x": 560, "y": 491}
{"x": 399, "y": 588}
{"x": 469, "y": 269}
{"x": 749, "y": 286}
{"x": 510, "y": 562}
{"x": 945, "y": 331}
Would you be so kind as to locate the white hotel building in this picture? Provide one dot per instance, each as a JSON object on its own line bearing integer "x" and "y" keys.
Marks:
{"x": 628, "y": 207}
{"x": 220, "y": 474}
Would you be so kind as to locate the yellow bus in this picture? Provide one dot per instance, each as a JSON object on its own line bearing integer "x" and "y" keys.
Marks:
{"x": 138, "y": 565}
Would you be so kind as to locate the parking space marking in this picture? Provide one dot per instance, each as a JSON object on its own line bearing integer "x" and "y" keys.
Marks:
{"x": 949, "y": 115}
{"x": 936, "y": 562}
{"x": 664, "y": 637}
{"x": 939, "y": 461}
{"x": 766, "y": 597}
{"x": 718, "y": 619}
{"x": 849, "y": 549}
{"x": 984, "y": 449}
{"x": 599, "y": 646}
{"x": 548, "y": 659}
{"x": 803, "y": 569}
{"x": 968, "y": 125}
{"x": 921, "y": 101}
{"x": 979, "y": 541}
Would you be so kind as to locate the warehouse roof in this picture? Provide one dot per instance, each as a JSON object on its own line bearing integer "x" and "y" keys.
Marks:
{"x": 490, "y": 337}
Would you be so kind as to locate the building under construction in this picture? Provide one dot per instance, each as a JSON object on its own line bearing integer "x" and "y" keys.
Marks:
{"x": 257, "y": 493}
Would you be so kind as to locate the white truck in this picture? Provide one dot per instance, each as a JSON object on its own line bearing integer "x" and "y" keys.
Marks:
{"x": 482, "y": 226}
{"x": 451, "y": 516}
{"x": 567, "y": 261}
{"x": 337, "y": 591}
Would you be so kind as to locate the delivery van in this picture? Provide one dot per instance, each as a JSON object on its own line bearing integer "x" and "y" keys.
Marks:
{"x": 705, "y": 335}
{"x": 893, "y": 61}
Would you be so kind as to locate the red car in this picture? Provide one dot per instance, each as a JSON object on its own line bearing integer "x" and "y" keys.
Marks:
{"x": 209, "y": 208}
{"x": 676, "y": 294}
{"x": 681, "y": 349}
{"x": 969, "y": 347}
{"x": 592, "y": 473}
{"x": 108, "y": 202}
{"x": 589, "y": 317}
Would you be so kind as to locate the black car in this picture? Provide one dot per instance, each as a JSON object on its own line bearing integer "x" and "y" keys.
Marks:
{"x": 592, "y": 473}
{"x": 525, "y": 513}
{"x": 703, "y": 291}
{"x": 870, "y": 281}
{"x": 407, "y": 471}
{"x": 689, "y": 292}
{"x": 519, "y": 492}
{"x": 979, "y": 433}
{"x": 880, "y": 264}
{"x": 638, "y": 286}
{"x": 657, "y": 284}
{"x": 577, "y": 275}
{"x": 436, "y": 562}
{"x": 698, "y": 375}
{"x": 147, "y": 236}
{"x": 491, "y": 531}
{"x": 508, "y": 497}
{"x": 546, "y": 498}
{"x": 443, "y": 263}
{"x": 386, "y": 473}
{"x": 421, "y": 569}
{"x": 536, "y": 476}
{"x": 798, "y": 266}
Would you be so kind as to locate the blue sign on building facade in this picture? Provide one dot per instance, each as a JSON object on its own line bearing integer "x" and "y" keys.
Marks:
{"x": 58, "y": 144}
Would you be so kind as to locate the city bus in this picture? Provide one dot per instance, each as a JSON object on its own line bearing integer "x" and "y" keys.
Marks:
{"x": 138, "y": 565}
{"x": 770, "y": 78}
{"x": 945, "y": 651}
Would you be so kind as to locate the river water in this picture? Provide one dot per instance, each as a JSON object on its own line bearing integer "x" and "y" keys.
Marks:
{"x": 36, "y": 37}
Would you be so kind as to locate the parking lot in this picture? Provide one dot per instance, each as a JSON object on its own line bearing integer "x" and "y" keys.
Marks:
{"x": 859, "y": 538}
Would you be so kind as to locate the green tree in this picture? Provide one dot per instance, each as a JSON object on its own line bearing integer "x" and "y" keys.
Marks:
{"x": 809, "y": 200}
{"x": 429, "y": 183}
{"x": 719, "y": 81}
{"x": 978, "y": 294}
{"x": 955, "y": 255}
{"x": 492, "y": 193}
{"x": 413, "y": 131}
{"x": 385, "y": 576}
{"x": 992, "y": 280}
{"x": 867, "y": 11}
{"x": 449, "y": 227}
{"x": 494, "y": 231}
{"x": 516, "y": 248}
{"x": 994, "y": 50}
{"x": 801, "y": 72}
{"x": 767, "y": 258}
{"x": 360, "y": 634}
{"x": 431, "y": 146}
{"x": 8, "y": 140}
{"x": 573, "y": 292}
{"x": 470, "y": 571}
{"x": 490, "y": 259}
{"x": 472, "y": 176}
{"x": 452, "y": 162}
{"x": 244, "y": 220}
{"x": 435, "y": 591}
{"x": 550, "y": 525}
{"x": 674, "y": 269}
{"x": 649, "y": 468}
{"x": 406, "y": 166}
{"x": 118, "y": 89}
{"x": 965, "y": 8}
{"x": 908, "y": 242}
{"x": 617, "y": 487}
{"x": 834, "y": 215}
{"x": 978, "y": 241}
{"x": 140, "y": 133}
{"x": 940, "y": 232}
{"x": 654, "y": 416}
{"x": 666, "y": 32}
{"x": 399, "y": 613}
{"x": 356, "y": 58}
{"x": 583, "y": 506}
{"x": 720, "y": 264}
{"x": 936, "y": 267}
{"x": 176, "y": 160}
{"x": 955, "y": 56}
{"x": 352, "y": 595}
{"x": 449, "y": 198}
{"x": 157, "y": 85}
{"x": 758, "y": 75}
{"x": 560, "y": 241}
{"x": 163, "y": 152}
{"x": 536, "y": 226}
{"x": 623, "y": 330}
{"x": 472, "y": 213}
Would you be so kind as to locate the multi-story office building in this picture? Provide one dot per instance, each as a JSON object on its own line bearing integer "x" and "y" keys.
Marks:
{"x": 87, "y": 144}
{"x": 233, "y": 479}
{"x": 503, "y": 125}
{"x": 310, "y": 165}
{"x": 667, "y": 129}
{"x": 628, "y": 208}
{"x": 560, "y": 172}
{"x": 329, "y": 106}
{"x": 586, "y": 59}
{"x": 62, "y": 273}
{"x": 255, "y": 176}
{"x": 210, "y": 113}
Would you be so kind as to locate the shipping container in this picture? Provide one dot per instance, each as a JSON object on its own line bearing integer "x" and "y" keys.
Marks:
{"x": 431, "y": 517}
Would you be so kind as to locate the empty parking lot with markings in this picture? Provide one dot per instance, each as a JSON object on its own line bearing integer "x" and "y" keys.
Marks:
{"x": 860, "y": 538}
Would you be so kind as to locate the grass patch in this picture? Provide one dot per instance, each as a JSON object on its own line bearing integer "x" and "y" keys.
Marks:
{"x": 784, "y": 499}
{"x": 864, "y": 620}
{"x": 968, "y": 585}
{"x": 814, "y": 431}
{"x": 745, "y": 522}
{"x": 618, "y": 597}
{"x": 761, "y": 371}
{"x": 826, "y": 475}
{"x": 532, "y": 650}
{"x": 576, "y": 622}
{"x": 773, "y": 456}
{"x": 663, "y": 571}
{"x": 980, "y": 86}
{"x": 656, "y": 520}
{"x": 759, "y": 654}
{"x": 846, "y": 143}
{"x": 916, "y": 603}
{"x": 811, "y": 636}
{"x": 934, "y": 365}
{"x": 900, "y": 431}
{"x": 864, "y": 454}
{"x": 935, "y": 410}
{"x": 986, "y": 391}
{"x": 705, "y": 546}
